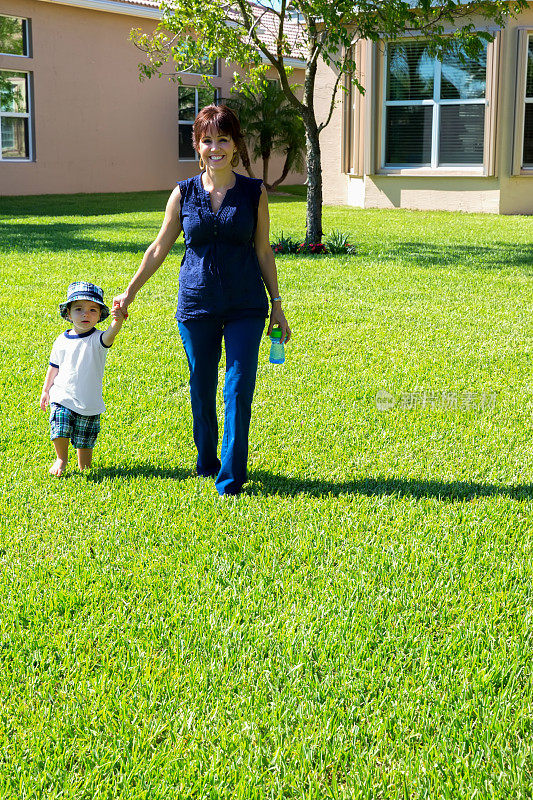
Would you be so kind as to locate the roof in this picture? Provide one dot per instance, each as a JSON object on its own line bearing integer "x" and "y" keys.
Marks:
{"x": 268, "y": 25}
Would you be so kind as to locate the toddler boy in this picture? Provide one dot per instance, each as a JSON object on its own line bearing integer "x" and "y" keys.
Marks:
{"x": 73, "y": 383}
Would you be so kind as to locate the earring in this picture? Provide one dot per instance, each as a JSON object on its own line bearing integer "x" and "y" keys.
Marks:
{"x": 235, "y": 159}
{"x": 201, "y": 163}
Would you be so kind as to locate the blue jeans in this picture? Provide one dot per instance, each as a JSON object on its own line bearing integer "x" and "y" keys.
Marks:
{"x": 202, "y": 340}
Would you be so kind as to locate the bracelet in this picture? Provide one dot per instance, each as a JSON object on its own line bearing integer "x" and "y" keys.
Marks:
{"x": 275, "y": 299}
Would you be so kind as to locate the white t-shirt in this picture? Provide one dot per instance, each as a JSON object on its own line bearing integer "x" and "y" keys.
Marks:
{"x": 80, "y": 359}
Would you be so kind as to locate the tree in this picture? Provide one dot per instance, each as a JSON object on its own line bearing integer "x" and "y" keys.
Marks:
{"x": 270, "y": 132}
{"x": 193, "y": 30}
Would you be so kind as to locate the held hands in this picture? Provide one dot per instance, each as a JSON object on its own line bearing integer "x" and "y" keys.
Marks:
{"x": 277, "y": 317}
{"x": 119, "y": 310}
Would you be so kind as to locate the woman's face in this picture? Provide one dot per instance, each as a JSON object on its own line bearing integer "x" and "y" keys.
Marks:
{"x": 216, "y": 149}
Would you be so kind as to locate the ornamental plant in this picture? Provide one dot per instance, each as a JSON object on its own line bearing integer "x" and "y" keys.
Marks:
{"x": 336, "y": 244}
{"x": 312, "y": 248}
{"x": 284, "y": 245}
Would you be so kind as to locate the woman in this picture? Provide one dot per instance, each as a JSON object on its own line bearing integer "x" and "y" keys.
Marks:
{"x": 228, "y": 262}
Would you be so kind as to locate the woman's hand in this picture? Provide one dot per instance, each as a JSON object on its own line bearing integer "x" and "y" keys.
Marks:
{"x": 277, "y": 317}
{"x": 120, "y": 305}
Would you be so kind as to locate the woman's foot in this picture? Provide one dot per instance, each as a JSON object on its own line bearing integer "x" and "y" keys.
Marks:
{"x": 58, "y": 467}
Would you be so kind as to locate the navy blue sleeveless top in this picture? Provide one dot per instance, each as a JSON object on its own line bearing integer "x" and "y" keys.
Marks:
{"x": 220, "y": 274}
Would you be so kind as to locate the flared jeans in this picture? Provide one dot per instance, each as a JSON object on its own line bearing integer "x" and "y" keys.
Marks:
{"x": 202, "y": 340}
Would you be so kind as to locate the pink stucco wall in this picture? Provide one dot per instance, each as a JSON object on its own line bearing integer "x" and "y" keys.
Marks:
{"x": 97, "y": 127}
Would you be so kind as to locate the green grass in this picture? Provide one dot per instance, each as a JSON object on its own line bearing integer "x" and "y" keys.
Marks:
{"x": 358, "y": 624}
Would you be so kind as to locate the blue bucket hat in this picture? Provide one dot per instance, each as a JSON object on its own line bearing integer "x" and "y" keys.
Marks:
{"x": 80, "y": 290}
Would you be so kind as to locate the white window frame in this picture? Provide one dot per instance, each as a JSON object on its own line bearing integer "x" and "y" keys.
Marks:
{"x": 487, "y": 167}
{"x": 214, "y": 74}
{"x": 27, "y": 29}
{"x": 20, "y": 115}
{"x": 191, "y": 121}
{"x": 525, "y": 35}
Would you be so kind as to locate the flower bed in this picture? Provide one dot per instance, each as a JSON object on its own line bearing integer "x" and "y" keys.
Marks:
{"x": 336, "y": 244}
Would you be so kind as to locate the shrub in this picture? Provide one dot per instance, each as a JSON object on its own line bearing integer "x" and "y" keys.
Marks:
{"x": 337, "y": 243}
{"x": 284, "y": 244}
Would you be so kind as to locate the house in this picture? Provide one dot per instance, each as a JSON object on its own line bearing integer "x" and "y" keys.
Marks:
{"x": 74, "y": 116}
{"x": 432, "y": 134}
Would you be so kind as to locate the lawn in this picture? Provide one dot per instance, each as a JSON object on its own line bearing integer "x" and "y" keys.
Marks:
{"x": 358, "y": 624}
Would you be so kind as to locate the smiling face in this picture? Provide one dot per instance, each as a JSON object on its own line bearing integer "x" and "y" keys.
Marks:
{"x": 84, "y": 314}
{"x": 216, "y": 149}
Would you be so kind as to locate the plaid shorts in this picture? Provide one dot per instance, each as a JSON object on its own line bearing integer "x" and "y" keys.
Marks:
{"x": 82, "y": 431}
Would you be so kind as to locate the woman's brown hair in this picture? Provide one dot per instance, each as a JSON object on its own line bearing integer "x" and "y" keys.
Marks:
{"x": 222, "y": 118}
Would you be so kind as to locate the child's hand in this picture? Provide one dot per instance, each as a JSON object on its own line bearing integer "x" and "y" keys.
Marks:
{"x": 44, "y": 401}
{"x": 118, "y": 311}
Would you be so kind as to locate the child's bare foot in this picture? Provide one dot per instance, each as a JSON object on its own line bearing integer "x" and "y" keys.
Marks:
{"x": 58, "y": 467}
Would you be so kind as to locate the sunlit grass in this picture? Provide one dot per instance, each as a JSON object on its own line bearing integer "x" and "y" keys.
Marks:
{"x": 358, "y": 623}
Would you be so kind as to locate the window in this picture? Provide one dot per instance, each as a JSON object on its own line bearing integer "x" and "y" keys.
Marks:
{"x": 14, "y": 36}
{"x": 434, "y": 114}
{"x": 207, "y": 68}
{"x": 527, "y": 155}
{"x": 190, "y": 101}
{"x": 15, "y": 115}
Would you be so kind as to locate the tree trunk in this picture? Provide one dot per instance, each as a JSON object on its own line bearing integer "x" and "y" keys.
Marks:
{"x": 314, "y": 183}
{"x": 266, "y": 160}
{"x": 285, "y": 171}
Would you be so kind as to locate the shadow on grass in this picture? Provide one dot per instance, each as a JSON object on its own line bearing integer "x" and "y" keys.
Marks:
{"x": 452, "y": 491}
{"x": 83, "y": 205}
{"x": 95, "y": 205}
{"x": 429, "y": 254}
{"x": 268, "y": 483}
{"x": 134, "y": 471}
{"x": 62, "y": 236}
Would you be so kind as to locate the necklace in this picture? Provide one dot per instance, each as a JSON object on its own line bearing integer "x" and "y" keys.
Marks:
{"x": 221, "y": 191}
{"x": 217, "y": 194}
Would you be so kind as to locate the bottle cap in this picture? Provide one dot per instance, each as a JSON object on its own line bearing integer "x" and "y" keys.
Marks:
{"x": 276, "y": 333}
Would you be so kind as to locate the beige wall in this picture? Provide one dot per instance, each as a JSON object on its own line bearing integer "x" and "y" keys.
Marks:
{"x": 498, "y": 192}
{"x": 334, "y": 180}
{"x": 97, "y": 127}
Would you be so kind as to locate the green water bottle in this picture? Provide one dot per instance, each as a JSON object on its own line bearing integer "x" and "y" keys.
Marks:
{"x": 277, "y": 348}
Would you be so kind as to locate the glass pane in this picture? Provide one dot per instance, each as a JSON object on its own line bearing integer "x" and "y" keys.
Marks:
{"x": 208, "y": 67}
{"x": 186, "y": 150}
{"x": 186, "y": 100}
{"x": 408, "y": 136}
{"x": 409, "y": 72}
{"x": 206, "y": 96}
{"x": 15, "y": 138}
{"x": 12, "y": 36}
{"x": 463, "y": 79}
{"x": 13, "y": 92}
{"x": 529, "y": 85}
{"x": 461, "y": 134}
{"x": 528, "y": 136}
